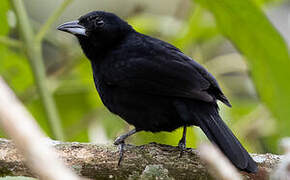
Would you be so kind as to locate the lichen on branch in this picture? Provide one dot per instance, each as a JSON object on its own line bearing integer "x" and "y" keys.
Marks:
{"x": 146, "y": 161}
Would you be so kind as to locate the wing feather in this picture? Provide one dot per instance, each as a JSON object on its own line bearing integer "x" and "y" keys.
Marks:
{"x": 163, "y": 70}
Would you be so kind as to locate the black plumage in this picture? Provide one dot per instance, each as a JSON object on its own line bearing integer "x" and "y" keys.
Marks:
{"x": 152, "y": 85}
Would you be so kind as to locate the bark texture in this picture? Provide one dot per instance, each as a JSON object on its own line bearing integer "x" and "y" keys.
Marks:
{"x": 150, "y": 161}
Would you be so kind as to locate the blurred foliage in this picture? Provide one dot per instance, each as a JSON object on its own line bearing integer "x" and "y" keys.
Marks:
{"x": 4, "y": 24}
{"x": 266, "y": 52}
{"x": 17, "y": 178}
{"x": 199, "y": 33}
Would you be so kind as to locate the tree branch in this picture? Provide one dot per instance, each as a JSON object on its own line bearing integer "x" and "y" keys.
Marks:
{"x": 18, "y": 124}
{"x": 147, "y": 161}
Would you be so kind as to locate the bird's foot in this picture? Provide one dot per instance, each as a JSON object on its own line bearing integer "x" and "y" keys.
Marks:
{"x": 119, "y": 140}
{"x": 120, "y": 143}
{"x": 121, "y": 152}
{"x": 182, "y": 147}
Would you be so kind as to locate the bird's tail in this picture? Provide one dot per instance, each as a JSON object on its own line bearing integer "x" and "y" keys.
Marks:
{"x": 207, "y": 117}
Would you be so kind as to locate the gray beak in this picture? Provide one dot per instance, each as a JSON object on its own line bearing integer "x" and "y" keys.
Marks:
{"x": 73, "y": 27}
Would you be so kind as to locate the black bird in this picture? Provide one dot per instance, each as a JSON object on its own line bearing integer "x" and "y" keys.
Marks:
{"x": 152, "y": 85}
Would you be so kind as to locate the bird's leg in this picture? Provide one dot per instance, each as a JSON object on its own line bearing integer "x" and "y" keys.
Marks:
{"x": 121, "y": 142}
{"x": 182, "y": 142}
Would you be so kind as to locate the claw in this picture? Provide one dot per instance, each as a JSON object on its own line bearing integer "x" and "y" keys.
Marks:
{"x": 182, "y": 147}
{"x": 182, "y": 142}
{"x": 121, "y": 152}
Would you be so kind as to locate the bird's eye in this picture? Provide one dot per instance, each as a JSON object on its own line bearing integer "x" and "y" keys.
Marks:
{"x": 99, "y": 23}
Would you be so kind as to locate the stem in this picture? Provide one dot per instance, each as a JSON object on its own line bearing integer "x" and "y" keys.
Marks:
{"x": 10, "y": 42}
{"x": 45, "y": 27}
{"x": 34, "y": 54}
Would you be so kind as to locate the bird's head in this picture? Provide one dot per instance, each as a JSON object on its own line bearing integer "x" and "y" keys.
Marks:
{"x": 97, "y": 30}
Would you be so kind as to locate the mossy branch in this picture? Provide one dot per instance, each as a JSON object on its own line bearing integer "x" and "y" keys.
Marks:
{"x": 147, "y": 161}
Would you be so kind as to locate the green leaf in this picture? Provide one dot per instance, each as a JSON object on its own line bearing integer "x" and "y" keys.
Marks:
{"x": 198, "y": 28}
{"x": 16, "y": 70}
{"x": 170, "y": 138}
{"x": 243, "y": 22}
{"x": 3, "y": 17}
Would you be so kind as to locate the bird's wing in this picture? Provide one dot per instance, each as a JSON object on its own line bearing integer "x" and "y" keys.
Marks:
{"x": 165, "y": 71}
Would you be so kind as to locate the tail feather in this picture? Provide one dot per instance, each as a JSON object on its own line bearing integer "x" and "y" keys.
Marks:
{"x": 218, "y": 132}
